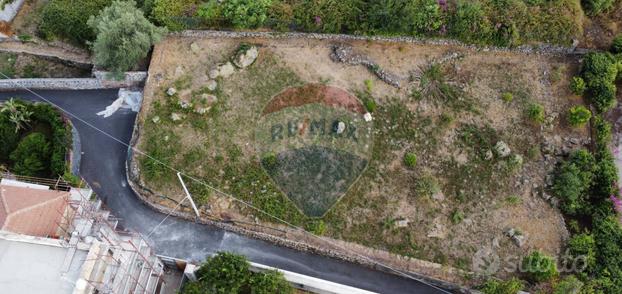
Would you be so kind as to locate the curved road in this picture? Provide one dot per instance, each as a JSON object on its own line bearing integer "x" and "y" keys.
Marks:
{"x": 103, "y": 167}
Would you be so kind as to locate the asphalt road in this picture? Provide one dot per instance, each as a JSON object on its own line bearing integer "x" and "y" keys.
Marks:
{"x": 103, "y": 167}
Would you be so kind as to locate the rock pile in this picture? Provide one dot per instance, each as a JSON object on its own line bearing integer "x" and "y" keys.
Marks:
{"x": 345, "y": 54}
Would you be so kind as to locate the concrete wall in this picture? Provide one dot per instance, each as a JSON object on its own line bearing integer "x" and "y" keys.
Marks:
{"x": 10, "y": 10}
{"x": 101, "y": 81}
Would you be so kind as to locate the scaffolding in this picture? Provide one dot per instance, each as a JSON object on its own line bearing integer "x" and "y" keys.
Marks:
{"x": 118, "y": 261}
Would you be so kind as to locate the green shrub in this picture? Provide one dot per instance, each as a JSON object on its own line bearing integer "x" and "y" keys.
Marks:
{"x": 494, "y": 286}
{"x": 269, "y": 161}
{"x": 124, "y": 36}
{"x": 457, "y": 217}
{"x": 67, "y": 19}
{"x": 328, "y": 16}
{"x": 595, "y": 7}
{"x": 583, "y": 245}
{"x": 227, "y": 273}
{"x": 599, "y": 72}
{"x": 317, "y": 227}
{"x": 32, "y": 156}
{"x": 579, "y": 115}
{"x": 602, "y": 131}
{"x": 60, "y": 138}
{"x": 507, "y": 97}
{"x": 280, "y": 16}
{"x": 539, "y": 267}
{"x": 577, "y": 86}
{"x": 174, "y": 14}
{"x": 535, "y": 112}
{"x": 270, "y": 282}
{"x": 470, "y": 24}
{"x": 616, "y": 46}
{"x": 569, "y": 285}
{"x": 410, "y": 159}
{"x": 210, "y": 12}
{"x": 608, "y": 236}
{"x": 246, "y": 13}
{"x": 426, "y": 186}
{"x": 572, "y": 182}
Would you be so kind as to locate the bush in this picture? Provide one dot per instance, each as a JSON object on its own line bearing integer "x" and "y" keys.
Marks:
{"x": 230, "y": 273}
{"x": 616, "y": 46}
{"x": 569, "y": 285}
{"x": 599, "y": 72}
{"x": 470, "y": 23}
{"x": 317, "y": 227}
{"x": 61, "y": 135}
{"x": 174, "y": 14}
{"x": 124, "y": 36}
{"x": 595, "y": 7}
{"x": 583, "y": 245}
{"x": 535, "y": 112}
{"x": 225, "y": 273}
{"x": 608, "y": 236}
{"x": 511, "y": 286}
{"x": 577, "y": 86}
{"x": 270, "y": 282}
{"x": 210, "y": 12}
{"x": 32, "y": 156}
{"x": 410, "y": 159}
{"x": 572, "y": 182}
{"x": 328, "y": 16}
{"x": 539, "y": 267}
{"x": 507, "y": 97}
{"x": 246, "y": 13}
{"x": 579, "y": 115}
{"x": 426, "y": 186}
{"x": 67, "y": 19}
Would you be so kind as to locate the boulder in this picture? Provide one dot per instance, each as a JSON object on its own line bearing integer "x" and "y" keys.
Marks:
{"x": 202, "y": 110}
{"x": 208, "y": 98}
{"x": 211, "y": 85}
{"x": 155, "y": 119}
{"x": 245, "y": 58}
{"x": 402, "y": 223}
{"x": 340, "y": 127}
{"x": 488, "y": 155}
{"x": 194, "y": 47}
{"x": 226, "y": 70}
{"x": 367, "y": 117}
{"x": 502, "y": 149}
{"x": 171, "y": 91}
{"x": 176, "y": 116}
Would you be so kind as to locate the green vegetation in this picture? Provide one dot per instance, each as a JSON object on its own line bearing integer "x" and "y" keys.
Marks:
{"x": 539, "y": 267}
{"x": 616, "y": 46}
{"x": 583, "y": 245}
{"x": 34, "y": 138}
{"x": 577, "y": 86}
{"x": 595, "y": 7}
{"x": 507, "y": 97}
{"x": 235, "y": 13}
{"x": 573, "y": 181}
{"x": 579, "y": 115}
{"x": 493, "y": 286}
{"x": 410, "y": 159}
{"x": 599, "y": 72}
{"x": 124, "y": 36}
{"x": 569, "y": 284}
{"x": 230, "y": 273}
{"x": 535, "y": 113}
{"x": 67, "y": 19}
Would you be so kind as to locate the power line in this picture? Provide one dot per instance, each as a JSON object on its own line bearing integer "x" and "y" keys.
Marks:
{"x": 397, "y": 271}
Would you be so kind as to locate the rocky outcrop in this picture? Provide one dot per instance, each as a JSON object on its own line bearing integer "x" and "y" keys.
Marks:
{"x": 345, "y": 54}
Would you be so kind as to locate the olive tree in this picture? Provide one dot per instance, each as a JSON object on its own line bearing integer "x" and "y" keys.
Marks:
{"x": 124, "y": 36}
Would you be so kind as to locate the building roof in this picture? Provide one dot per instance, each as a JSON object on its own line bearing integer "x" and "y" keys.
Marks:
{"x": 31, "y": 211}
{"x": 37, "y": 265}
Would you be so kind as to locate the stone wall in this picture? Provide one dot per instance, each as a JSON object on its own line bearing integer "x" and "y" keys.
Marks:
{"x": 530, "y": 49}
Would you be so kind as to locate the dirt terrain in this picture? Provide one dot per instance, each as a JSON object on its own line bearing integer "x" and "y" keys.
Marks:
{"x": 452, "y": 111}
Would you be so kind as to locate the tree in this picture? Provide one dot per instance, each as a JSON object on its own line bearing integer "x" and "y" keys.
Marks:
{"x": 225, "y": 273}
{"x": 583, "y": 245}
{"x": 18, "y": 113}
{"x": 572, "y": 182}
{"x": 124, "y": 36}
{"x": 569, "y": 285}
{"x": 32, "y": 156}
{"x": 8, "y": 137}
{"x": 539, "y": 266}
